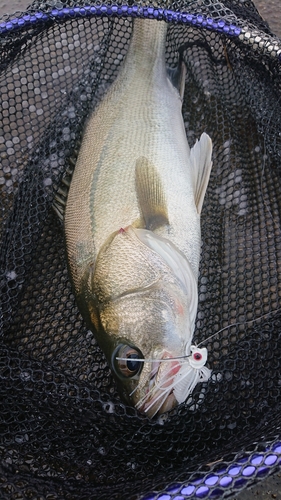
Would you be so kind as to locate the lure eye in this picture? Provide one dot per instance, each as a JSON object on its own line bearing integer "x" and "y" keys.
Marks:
{"x": 197, "y": 356}
{"x": 127, "y": 361}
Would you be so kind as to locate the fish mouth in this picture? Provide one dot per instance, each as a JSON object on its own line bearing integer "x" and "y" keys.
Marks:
{"x": 159, "y": 397}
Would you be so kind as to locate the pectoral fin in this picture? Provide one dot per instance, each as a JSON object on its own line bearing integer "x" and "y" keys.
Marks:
{"x": 150, "y": 194}
{"x": 201, "y": 165}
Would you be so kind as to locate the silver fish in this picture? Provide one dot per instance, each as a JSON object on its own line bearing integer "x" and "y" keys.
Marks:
{"x": 132, "y": 226}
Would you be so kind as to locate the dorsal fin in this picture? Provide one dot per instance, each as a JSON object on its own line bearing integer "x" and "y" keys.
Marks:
{"x": 201, "y": 165}
{"x": 60, "y": 197}
{"x": 150, "y": 194}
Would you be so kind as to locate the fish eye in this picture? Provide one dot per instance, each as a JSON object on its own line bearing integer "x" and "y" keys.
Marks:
{"x": 126, "y": 361}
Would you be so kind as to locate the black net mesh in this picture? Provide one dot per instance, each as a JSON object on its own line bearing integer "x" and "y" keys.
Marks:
{"x": 64, "y": 431}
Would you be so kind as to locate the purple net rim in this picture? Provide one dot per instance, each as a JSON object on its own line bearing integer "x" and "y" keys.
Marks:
{"x": 236, "y": 475}
{"x": 198, "y": 20}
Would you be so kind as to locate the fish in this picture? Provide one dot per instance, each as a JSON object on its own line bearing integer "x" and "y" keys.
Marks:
{"x": 132, "y": 227}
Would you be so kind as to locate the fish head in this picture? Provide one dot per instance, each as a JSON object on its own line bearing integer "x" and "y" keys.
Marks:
{"x": 142, "y": 331}
{"x": 147, "y": 313}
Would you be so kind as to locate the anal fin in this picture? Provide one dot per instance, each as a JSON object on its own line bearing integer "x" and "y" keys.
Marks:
{"x": 150, "y": 194}
{"x": 201, "y": 165}
{"x": 177, "y": 76}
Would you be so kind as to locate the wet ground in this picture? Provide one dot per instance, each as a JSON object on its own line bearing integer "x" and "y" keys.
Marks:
{"x": 265, "y": 490}
{"x": 270, "y": 10}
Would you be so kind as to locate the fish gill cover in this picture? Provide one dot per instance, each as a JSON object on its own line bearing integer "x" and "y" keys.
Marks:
{"x": 64, "y": 431}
